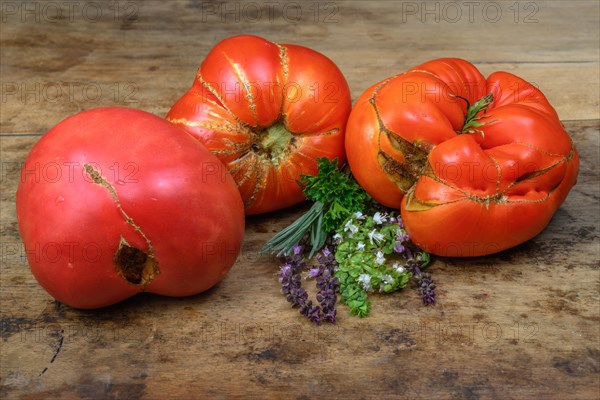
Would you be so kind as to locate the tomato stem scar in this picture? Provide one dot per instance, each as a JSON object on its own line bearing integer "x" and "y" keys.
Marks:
{"x": 273, "y": 143}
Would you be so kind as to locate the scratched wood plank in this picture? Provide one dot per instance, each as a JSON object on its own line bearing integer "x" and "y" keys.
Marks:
{"x": 52, "y": 69}
{"x": 519, "y": 324}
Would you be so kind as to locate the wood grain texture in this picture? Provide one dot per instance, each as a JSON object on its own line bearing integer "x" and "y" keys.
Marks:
{"x": 520, "y": 324}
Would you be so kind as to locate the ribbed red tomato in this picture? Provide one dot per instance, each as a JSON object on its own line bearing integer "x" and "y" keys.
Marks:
{"x": 115, "y": 201}
{"x": 470, "y": 180}
{"x": 267, "y": 111}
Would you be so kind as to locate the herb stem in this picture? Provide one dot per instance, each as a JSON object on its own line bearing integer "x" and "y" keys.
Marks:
{"x": 284, "y": 241}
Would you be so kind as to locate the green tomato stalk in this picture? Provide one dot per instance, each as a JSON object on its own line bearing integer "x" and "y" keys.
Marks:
{"x": 473, "y": 117}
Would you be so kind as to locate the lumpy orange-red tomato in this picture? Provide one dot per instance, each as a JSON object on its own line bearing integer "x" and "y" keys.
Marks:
{"x": 463, "y": 191}
{"x": 267, "y": 111}
{"x": 115, "y": 201}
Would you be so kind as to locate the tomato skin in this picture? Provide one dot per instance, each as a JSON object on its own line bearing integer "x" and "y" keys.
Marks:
{"x": 247, "y": 85}
{"x": 155, "y": 187}
{"x": 462, "y": 194}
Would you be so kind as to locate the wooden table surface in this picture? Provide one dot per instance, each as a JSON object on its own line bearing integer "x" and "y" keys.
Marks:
{"x": 521, "y": 324}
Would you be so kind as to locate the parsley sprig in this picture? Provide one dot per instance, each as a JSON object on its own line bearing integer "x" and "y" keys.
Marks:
{"x": 335, "y": 195}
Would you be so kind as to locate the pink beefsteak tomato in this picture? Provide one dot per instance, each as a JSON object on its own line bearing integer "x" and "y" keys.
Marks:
{"x": 116, "y": 201}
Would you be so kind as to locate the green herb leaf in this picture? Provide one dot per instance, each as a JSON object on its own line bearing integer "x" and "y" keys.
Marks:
{"x": 368, "y": 260}
{"x": 338, "y": 190}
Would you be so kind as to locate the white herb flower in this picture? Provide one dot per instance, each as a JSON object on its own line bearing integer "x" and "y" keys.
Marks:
{"x": 379, "y": 218}
{"x": 399, "y": 268}
{"x": 380, "y": 259}
{"x": 338, "y": 238}
{"x": 359, "y": 215}
{"x": 364, "y": 280}
{"x": 360, "y": 246}
{"x": 350, "y": 227}
{"x": 375, "y": 236}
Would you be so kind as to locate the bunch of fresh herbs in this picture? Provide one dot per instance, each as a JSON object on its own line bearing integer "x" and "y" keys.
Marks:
{"x": 365, "y": 253}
